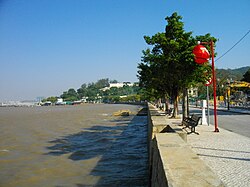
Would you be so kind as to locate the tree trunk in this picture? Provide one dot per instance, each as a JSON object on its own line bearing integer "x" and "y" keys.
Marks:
{"x": 167, "y": 103}
{"x": 158, "y": 103}
{"x": 185, "y": 104}
{"x": 176, "y": 110}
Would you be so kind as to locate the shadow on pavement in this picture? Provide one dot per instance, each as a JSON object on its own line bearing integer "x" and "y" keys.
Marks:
{"x": 225, "y": 157}
{"x": 224, "y": 150}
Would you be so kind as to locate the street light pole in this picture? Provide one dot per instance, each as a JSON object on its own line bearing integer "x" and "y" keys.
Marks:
{"x": 201, "y": 56}
{"x": 214, "y": 88}
{"x": 208, "y": 112}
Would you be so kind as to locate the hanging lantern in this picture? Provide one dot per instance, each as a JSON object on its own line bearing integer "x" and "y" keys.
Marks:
{"x": 201, "y": 54}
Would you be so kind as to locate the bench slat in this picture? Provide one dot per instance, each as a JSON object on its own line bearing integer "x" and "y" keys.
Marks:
{"x": 191, "y": 122}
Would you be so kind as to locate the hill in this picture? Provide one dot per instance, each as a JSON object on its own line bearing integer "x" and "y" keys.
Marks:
{"x": 231, "y": 74}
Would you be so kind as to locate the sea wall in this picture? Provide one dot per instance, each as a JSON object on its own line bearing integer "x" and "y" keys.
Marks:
{"x": 171, "y": 160}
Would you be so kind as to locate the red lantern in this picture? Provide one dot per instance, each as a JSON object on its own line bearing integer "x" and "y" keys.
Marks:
{"x": 201, "y": 54}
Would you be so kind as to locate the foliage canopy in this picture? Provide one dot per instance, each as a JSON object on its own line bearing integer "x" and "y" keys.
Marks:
{"x": 168, "y": 67}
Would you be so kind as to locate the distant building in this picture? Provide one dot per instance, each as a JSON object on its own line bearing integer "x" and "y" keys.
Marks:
{"x": 60, "y": 102}
{"x": 118, "y": 85}
{"x": 84, "y": 99}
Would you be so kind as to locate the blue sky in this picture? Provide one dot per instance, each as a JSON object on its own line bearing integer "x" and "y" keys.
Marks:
{"x": 49, "y": 46}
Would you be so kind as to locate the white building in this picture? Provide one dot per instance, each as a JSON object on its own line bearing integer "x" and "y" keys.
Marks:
{"x": 59, "y": 100}
{"x": 117, "y": 85}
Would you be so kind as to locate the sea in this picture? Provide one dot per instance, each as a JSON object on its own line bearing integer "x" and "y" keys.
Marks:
{"x": 83, "y": 145}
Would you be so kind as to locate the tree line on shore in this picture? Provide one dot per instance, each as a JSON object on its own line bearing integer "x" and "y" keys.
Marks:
{"x": 95, "y": 92}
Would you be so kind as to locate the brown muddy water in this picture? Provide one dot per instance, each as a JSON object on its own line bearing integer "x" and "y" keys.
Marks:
{"x": 78, "y": 146}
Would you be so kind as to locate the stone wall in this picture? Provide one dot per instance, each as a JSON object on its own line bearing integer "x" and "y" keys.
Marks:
{"x": 171, "y": 159}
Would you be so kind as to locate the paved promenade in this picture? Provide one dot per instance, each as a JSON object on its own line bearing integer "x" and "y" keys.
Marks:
{"x": 226, "y": 153}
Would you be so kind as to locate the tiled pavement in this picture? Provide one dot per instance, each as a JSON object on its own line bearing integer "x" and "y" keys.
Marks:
{"x": 225, "y": 152}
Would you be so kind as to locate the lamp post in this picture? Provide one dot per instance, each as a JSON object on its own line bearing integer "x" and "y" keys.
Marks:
{"x": 201, "y": 56}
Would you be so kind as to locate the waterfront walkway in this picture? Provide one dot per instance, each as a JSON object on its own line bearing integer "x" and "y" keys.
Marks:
{"x": 225, "y": 152}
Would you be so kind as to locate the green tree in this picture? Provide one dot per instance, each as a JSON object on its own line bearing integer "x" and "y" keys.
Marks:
{"x": 246, "y": 76}
{"x": 169, "y": 68}
{"x": 82, "y": 91}
{"x": 102, "y": 83}
{"x": 70, "y": 95}
{"x": 52, "y": 99}
{"x": 94, "y": 90}
{"x": 113, "y": 81}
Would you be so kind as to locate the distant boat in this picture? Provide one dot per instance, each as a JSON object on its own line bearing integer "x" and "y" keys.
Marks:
{"x": 77, "y": 102}
{"x": 60, "y": 103}
{"x": 47, "y": 103}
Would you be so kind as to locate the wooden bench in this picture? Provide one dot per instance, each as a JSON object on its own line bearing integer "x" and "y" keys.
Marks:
{"x": 191, "y": 122}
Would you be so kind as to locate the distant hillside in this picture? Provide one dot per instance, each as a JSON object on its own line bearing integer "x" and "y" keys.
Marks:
{"x": 234, "y": 74}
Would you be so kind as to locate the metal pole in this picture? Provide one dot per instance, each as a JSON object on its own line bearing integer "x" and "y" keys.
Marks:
{"x": 228, "y": 98}
{"x": 208, "y": 113}
{"x": 214, "y": 88}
